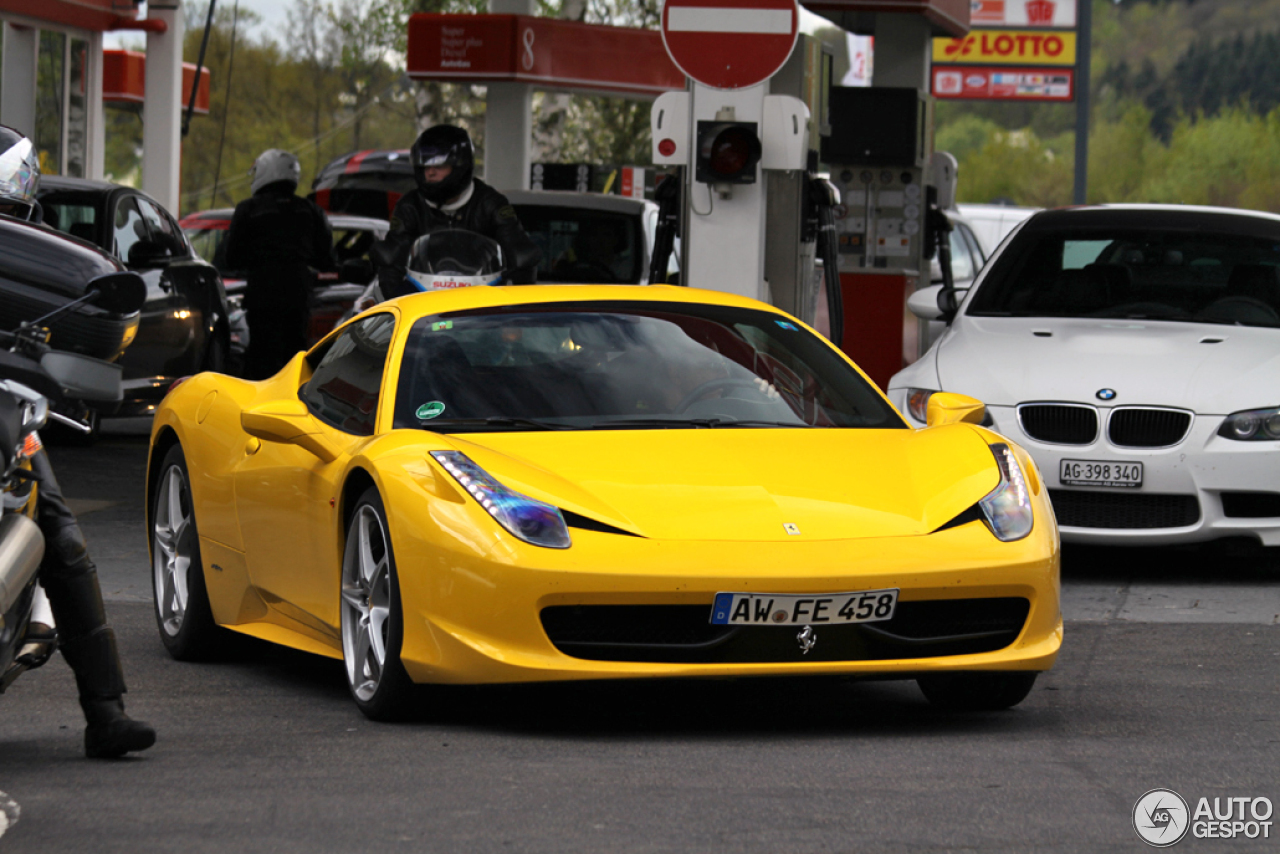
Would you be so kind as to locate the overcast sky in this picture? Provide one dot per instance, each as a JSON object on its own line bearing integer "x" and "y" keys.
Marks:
{"x": 272, "y": 13}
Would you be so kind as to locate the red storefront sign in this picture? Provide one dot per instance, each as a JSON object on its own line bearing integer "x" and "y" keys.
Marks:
{"x": 1049, "y": 14}
{"x": 546, "y": 52}
{"x": 975, "y": 83}
{"x": 97, "y": 15}
{"x": 124, "y": 79}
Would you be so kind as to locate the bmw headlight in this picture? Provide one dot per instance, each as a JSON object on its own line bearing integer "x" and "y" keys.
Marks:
{"x": 533, "y": 521}
{"x": 918, "y": 403}
{"x": 1007, "y": 508}
{"x": 1252, "y": 425}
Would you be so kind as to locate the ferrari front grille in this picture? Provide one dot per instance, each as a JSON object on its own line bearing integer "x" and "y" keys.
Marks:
{"x": 1059, "y": 423}
{"x": 684, "y": 634}
{"x": 1148, "y": 428}
{"x": 1123, "y": 510}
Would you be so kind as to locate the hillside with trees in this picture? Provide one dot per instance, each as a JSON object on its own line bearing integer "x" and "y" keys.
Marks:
{"x": 1186, "y": 109}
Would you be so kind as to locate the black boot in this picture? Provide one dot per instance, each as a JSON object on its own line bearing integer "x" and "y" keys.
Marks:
{"x": 111, "y": 733}
{"x": 88, "y": 644}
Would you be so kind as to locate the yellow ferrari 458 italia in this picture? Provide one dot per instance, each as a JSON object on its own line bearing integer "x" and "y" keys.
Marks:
{"x": 550, "y": 483}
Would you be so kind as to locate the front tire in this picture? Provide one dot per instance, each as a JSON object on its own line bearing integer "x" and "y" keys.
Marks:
{"x": 182, "y": 610}
{"x": 372, "y": 618}
{"x": 977, "y": 692}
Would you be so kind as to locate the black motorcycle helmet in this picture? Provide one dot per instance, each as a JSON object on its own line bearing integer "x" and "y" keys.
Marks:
{"x": 19, "y": 174}
{"x": 443, "y": 145}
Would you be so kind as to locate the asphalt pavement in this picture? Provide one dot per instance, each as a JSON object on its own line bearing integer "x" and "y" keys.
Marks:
{"x": 1169, "y": 677}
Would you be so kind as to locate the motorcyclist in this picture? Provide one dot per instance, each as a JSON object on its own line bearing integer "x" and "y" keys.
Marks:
{"x": 279, "y": 239}
{"x": 449, "y": 196}
{"x": 68, "y": 576}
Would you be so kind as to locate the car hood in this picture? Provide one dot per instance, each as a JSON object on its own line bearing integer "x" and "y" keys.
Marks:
{"x": 746, "y": 484}
{"x": 1208, "y": 368}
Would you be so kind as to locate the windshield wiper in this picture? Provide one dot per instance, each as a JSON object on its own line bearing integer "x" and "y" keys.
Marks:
{"x": 684, "y": 423}
{"x": 493, "y": 421}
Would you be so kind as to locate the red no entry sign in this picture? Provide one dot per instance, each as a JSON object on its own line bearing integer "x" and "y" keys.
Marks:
{"x": 730, "y": 44}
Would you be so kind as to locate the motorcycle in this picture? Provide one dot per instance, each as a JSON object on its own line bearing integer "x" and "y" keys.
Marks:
{"x": 444, "y": 260}
{"x": 37, "y": 385}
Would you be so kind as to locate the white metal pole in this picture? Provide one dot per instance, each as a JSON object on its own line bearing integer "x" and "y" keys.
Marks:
{"x": 18, "y": 79}
{"x": 162, "y": 108}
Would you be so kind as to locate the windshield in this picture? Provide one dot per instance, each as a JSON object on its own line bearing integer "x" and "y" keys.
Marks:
{"x": 1189, "y": 276}
{"x": 72, "y": 213}
{"x": 632, "y": 365}
{"x": 585, "y": 246}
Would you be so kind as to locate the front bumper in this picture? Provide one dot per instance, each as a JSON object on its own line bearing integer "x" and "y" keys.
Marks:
{"x": 478, "y": 617}
{"x": 1204, "y": 488}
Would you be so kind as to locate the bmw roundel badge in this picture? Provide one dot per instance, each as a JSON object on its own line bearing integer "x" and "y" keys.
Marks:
{"x": 1106, "y": 394}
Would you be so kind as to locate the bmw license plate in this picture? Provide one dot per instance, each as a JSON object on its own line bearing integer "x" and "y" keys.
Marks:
{"x": 1100, "y": 473}
{"x": 776, "y": 609}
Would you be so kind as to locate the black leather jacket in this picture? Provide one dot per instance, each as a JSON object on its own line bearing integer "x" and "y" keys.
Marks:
{"x": 487, "y": 212}
{"x": 275, "y": 228}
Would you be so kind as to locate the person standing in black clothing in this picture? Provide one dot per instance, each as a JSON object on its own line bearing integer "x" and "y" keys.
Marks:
{"x": 449, "y": 196}
{"x": 280, "y": 241}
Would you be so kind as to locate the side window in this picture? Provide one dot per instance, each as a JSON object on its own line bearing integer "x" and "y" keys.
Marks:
{"x": 163, "y": 229}
{"x": 343, "y": 390}
{"x": 979, "y": 256}
{"x": 128, "y": 227}
{"x": 961, "y": 261}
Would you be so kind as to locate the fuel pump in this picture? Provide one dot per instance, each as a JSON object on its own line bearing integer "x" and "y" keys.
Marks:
{"x": 876, "y": 155}
{"x": 821, "y": 201}
{"x": 667, "y": 195}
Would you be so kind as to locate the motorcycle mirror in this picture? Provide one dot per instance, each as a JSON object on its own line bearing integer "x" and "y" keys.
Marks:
{"x": 120, "y": 293}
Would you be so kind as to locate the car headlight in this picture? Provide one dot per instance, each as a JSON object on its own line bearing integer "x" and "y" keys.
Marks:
{"x": 1252, "y": 425}
{"x": 533, "y": 521}
{"x": 918, "y": 403}
{"x": 1007, "y": 508}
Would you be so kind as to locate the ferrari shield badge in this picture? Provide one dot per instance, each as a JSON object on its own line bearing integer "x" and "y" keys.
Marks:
{"x": 430, "y": 410}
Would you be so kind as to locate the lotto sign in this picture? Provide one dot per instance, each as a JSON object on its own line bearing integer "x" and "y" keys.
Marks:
{"x": 730, "y": 44}
{"x": 970, "y": 83}
{"x": 1008, "y": 47}
{"x": 1056, "y": 14}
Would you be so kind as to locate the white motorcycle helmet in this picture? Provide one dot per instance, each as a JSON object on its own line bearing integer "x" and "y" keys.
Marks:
{"x": 274, "y": 165}
{"x": 451, "y": 258}
{"x": 19, "y": 174}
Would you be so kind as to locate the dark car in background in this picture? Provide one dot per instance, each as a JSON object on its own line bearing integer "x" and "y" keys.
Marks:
{"x": 332, "y": 298}
{"x": 41, "y": 271}
{"x": 364, "y": 183}
{"x": 184, "y": 327}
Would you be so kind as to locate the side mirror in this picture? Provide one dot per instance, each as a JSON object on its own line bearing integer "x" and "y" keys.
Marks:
{"x": 926, "y": 303}
{"x": 949, "y": 302}
{"x": 120, "y": 293}
{"x": 948, "y": 408}
{"x": 358, "y": 271}
{"x": 287, "y": 422}
{"x": 148, "y": 253}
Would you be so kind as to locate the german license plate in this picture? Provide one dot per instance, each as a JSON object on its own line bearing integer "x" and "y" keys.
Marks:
{"x": 778, "y": 609}
{"x": 1100, "y": 473}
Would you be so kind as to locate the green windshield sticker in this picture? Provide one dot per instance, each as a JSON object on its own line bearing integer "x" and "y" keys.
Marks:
{"x": 429, "y": 410}
{"x": 441, "y": 324}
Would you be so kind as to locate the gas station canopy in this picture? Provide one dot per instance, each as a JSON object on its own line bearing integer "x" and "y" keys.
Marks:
{"x": 124, "y": 79}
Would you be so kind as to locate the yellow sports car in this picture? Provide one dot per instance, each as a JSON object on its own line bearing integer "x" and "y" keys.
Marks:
{"x": 548, "y": 483}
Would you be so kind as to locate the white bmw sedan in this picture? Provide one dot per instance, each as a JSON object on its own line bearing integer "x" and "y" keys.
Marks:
{"x": 1134, "y": 351}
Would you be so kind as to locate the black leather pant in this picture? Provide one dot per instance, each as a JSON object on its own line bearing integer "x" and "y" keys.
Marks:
{"x": 70, "y": 580}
